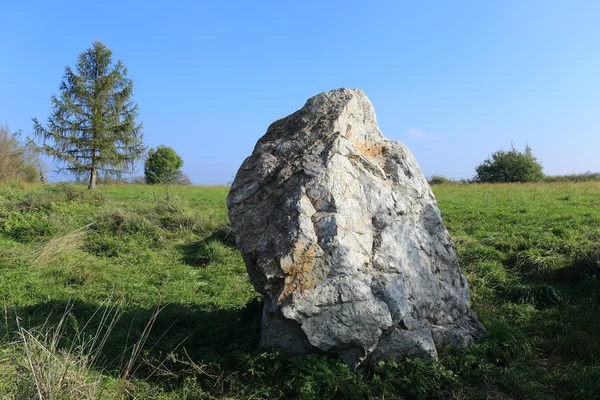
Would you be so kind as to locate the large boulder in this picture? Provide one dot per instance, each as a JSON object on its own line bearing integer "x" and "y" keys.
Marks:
{"x": 342, "y": 235}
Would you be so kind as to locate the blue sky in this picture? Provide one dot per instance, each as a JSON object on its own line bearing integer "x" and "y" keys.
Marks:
{"x": 453, "y": 80}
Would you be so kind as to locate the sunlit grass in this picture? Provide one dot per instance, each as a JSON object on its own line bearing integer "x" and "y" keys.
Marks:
{"x": 531, "y": 253}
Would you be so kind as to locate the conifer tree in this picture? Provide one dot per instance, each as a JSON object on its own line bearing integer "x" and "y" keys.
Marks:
{"x": 92, "y": 127}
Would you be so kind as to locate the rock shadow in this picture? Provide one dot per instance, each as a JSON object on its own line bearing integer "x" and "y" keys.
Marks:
{"x": 202, "y": 252}
{"x": 184, "y": 331}
{"x": 584, "y": 269}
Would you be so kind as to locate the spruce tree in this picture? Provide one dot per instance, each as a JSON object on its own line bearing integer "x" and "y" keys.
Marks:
{"x": 92, "y": 127}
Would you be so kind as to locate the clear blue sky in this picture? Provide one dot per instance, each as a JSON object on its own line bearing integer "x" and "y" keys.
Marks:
{"x": 453, "y": 80}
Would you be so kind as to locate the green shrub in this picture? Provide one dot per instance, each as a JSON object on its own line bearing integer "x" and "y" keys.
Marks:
{"x": 163, "y": 166}
{"x": 438, "y": 180}
{"x": 510, "y": 166}
{"x": 18, "y": 161}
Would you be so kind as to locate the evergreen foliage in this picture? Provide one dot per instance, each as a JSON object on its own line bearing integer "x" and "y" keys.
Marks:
{"x": 163, "y": 166}
{"x": 92, "y": 127}
{"x": 510, "y": 166}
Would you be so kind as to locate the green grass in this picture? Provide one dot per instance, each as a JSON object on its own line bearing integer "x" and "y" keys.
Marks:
{"x": 78, "y": 265}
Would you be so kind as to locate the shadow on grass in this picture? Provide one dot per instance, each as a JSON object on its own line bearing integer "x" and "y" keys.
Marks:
{"x": 586, "y": 267}
{"x": 189, "y": 333}
{"x": 202, "y": 252}
{"x": 563, "y": 319}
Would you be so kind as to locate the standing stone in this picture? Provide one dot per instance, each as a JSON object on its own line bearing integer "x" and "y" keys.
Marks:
{"x": 341, "y": 233}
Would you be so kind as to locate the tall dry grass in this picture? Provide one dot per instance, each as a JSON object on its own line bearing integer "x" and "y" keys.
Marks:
{"x": 61, "y": 362}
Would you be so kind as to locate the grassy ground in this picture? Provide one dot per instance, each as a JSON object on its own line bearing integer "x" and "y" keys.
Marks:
{"x": 133, "y": 292}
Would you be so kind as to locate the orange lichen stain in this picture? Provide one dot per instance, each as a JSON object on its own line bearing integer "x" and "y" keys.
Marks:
{"x": 368, "y": 148}
{"x": 299, "y": 268}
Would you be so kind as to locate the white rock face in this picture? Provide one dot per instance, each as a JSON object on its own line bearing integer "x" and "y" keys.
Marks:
{"x": 341, "y": 233}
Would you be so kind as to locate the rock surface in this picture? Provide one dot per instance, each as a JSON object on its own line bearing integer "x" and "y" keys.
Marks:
{"x": 341, "y": 233}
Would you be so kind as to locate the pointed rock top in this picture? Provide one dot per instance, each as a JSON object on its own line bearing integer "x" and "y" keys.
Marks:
{"x": 341, "y": 111}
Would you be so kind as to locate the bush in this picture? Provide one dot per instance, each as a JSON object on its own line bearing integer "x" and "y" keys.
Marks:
{"x": 510, "y": 166}
{"x": 587, "y": 177}
{"x": 18, "y": 161}
{"x": 163, "y": 166}
{"x": 438, "y": 180}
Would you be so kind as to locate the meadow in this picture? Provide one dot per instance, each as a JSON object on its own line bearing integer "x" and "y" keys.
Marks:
{"x": 139, "y": 292}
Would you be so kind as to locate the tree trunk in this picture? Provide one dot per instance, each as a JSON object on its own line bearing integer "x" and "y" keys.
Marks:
{"x": 93, "y": 172}
{"x": 92, "y": 185}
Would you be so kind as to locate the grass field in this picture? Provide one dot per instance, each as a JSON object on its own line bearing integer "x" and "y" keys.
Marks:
{"x": 136, "y": 292}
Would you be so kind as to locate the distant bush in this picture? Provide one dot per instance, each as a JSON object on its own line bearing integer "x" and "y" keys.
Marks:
{"x": 442, "y": 180}
{"x": 182, "y": 179}
{"x": 587, "y": 177}
{"x": 438, "y": 180}
{"x": 18, "y": 162}
{"x": 510, "y": 166}
{"x": 163, "y": 166}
